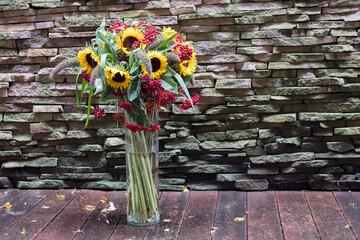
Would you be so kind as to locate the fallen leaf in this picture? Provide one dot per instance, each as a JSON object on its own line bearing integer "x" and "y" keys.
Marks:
{"x": 319, "y": 196}
{"x": 89, "y": 207}
{"x": 23, "y": 231}
{"x": 34, "y": 221}
{"x": 60, "y": 196}
{"x": 348, "y": 225}
{"x": 111, "y": 207}
{"x": 214, "y": 228}
{"x": 78, "y": 231}
{"x": 239, "y": 219}
{"x": 45, "y": 207}
{"x": 103, "y": 200}
{"x": 185, "y": 189}
{"x": 167, "y": 220}
{"x": 167, "y": 230}
{"x": 213, "y": 231}
{"x": 8, "y": 205}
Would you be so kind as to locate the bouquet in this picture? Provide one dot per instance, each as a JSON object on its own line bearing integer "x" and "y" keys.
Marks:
{"x": 139, "y": 69}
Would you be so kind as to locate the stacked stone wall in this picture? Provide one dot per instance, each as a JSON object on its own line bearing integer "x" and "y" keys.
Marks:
{"x": 279, "y": 85}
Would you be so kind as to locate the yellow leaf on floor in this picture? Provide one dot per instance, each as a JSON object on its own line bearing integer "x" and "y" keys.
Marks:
{"x": 239, "y": 219}
{"x": 23, "y": 231}
{"x": 185, "y": 189}
{"x": 8, "y": 205}
{"x": 60, "y": 196}
{"x": 33, "y": 221}
{"x": 103, "y": 200}
{"x": 89, "y": 207}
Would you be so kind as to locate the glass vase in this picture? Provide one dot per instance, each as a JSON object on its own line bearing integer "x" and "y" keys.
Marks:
{"x": 142, "y": 173}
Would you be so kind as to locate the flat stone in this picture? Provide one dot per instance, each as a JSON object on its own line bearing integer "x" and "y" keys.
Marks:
{"x": 90, "y": 148}
{"x": 252, "y": 184}
{"x": 280, "y": 158}
{"x": 77, "y": 176}
{"x": 27, "y": 117}
{"x": 6, "y": 135}
{"x": 114, "y": 142}
{"x": 224, "y": 168}
{"x": 38, "y": 162}
{"x": 5, "y": 182}
{"x": 317, "y": 117}
{"x": 205, "y": 136}
{"x": 233, "y": 84}
{"x": 109, "y": 185}
{"x": 311, "y": 164}
{"x": 10, "y": 153}
{"x": 347, "y": 131}
{"x": 43, "y": 184}
{"x": 228, "y": 145}
{"x": 242, "y": 134}
{"x": 176, "y": 181}
{"x": 280, "y": 118}
{"x": 263, "y": 170}
{"x": 339, "y": 146}
{"x": 169, "y": 187}
{"x": 230, "y": 177}
{"x": 111, "y": 132}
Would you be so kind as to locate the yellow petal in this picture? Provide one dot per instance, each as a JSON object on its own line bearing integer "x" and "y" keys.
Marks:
{"x": 89, "y": 207}
{"x": 239, "y": 219}
{"x": 60, "y": 196}
{"x": 103, "y": 200}
{"x": 23, "y": 231}
{"x": 185, "y": 189}
{"x": 8, "y": 205}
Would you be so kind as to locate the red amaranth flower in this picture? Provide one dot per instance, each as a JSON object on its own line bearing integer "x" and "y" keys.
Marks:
{"x": 134, "y": 127}
{"x": 115, "y": 93}
{"x": 181, "y": 90}
{"x": 187, "y": 104}
{"x": 119, "y": 117}
{"x": 145, "y": 77}
{"x": 151, "y": 85}
{"x": 153, "y": 128}
{"x": 86, "y": 76}
{"x": 126, "y": 105}
{"x": 99, "y": 113}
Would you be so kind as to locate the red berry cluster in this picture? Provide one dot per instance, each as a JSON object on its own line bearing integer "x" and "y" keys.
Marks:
{"x": 184, "y": 52}
{"x": 86, "y": 76}
{"x": 115, "y": 93}
{"x": 119, "y": 117}
{"x": 179, "y": 38}
{"x": 126, "y": 105}
{"x": 117, "y": 27}
{"x": 99, "y": 113}
{"x": 187, "y": 104}
{"x": 149, "y": 37}
{"x": 138, "y": 128}
{"x": 121, "y": 58}
{"x": 151, "y": 85}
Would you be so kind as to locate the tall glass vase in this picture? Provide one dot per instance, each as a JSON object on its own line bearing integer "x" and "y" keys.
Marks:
{"x": 142, "y": 171}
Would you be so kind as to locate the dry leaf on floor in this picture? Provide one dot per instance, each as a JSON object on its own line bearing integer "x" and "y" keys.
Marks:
{"x": 239, "y": 219}
{"x": 185, "y": 189}
{"x": 111, "y": 207}
{"x": 8, "y": 205}
{"x": 167, "y": 230}
{"x": 166, "y": 220}
{"x": 45, "y": 207}
{"x": 60, "y": 196}
{"x": 103, "y": 200}
{"x": 348, "y": 225}
{"x": 23, "y": 231}
{"x": 89, "y": 207}
{"x": 33, "y": 221}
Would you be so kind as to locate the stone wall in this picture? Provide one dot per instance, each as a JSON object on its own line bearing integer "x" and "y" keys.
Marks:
{"x": 279, "y": 84}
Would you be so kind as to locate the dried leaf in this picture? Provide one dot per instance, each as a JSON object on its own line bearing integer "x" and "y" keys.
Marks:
{"x": 23, "y": 231}
{"x": 103, "y": 200}
{"x": 104, "y": 211}
{"x": 185, "y": 189}
{"x": 33, "y": 221}
{"x": 319, "y": 196}
{"x": 167, "y": 230}
{"x": 239, "y": 219}
{"x": 8, "y": 205}
{"x": 89, "y": 207}
{"x": 348, "y": 225}
{"x": 60, "y": 196}
{"x": 111, "y": 207}
{"x": 167, "y": 220}
{"x": 45, "y": 207}
{"x": 213, "y": 231}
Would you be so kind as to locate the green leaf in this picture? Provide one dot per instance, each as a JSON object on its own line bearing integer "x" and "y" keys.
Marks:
{"x": 134, "y": 67}
{"x": 168, "y": 48}
{"x": 164, "y": 44}
{"x": 76, "y": 89}
{"x": 102, "y": 65}
{"x": 134, "y": 88}
{"x": 99, "y": 85}
{"x": 89, "y": 107}
{"x": 170, "y": 85}
{"x": 84, "y": 87}
{"x": 182, "y": 84}
{"x": 131, "y": 59}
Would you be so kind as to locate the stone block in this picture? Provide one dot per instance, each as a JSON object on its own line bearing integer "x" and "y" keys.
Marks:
{"x": 37, "y": 162}
{"x": 280, "y": 118}
{"x": 233, "y": 84}
{"x": 340, "y": 146}
{"x": 109, "y": 185}
{"x": 114, "y": 142}
{"x": 5, "y": 182}
{"x": 47, "y": 108}
{"x": 230, "y": 177}
{"x": 6, "y": 135}
{"x": 27, "y": 117}
{"x": 347, "y": 131}
{"x": 78, "y": 134}
{"x": 252, "y": 184}
{"x": 90, "y": 148}
{"x": 38, "y": 184}
{"x": 242, "y": 134}
{"x": 78, "y": 176}
{"x": 216, "y": 136}
{"x": 263, "y": 170}
{"x": 48, "y": 127}
{"x": 280, "y": 158}
{"x": 228, "y": 145}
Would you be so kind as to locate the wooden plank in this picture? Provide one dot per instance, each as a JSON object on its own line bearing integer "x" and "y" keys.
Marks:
{"x": 127, "y": 231}
{"x": 199, "y": 215}
{"x": 6, "y": 195}
{"x": 328, "y": 217}
{"x": 295, "y": 216}
{"x": 20, "y": 206}
{"x": 106, "y": 223}
{"x": 172, "y": 210}
{"x": 39, "y": 217}
{"x": 263, "y": 218}
{"x": 350, "y": 204}
{"x": 72, "y": 218}
{"x": 230, "y": 206}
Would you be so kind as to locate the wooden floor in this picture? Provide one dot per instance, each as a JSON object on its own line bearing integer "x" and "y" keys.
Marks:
{"x": 76, "y": 214}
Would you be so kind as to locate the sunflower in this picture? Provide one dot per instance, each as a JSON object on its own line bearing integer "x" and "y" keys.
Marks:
{"x": 117, "y": 77}
{"x": 188, "y": 67}
{"x": 158, "y": 63}
{"x": 127, "y": 39}
{"x": 88, "y": 60}
{"x": 168, "y": 32}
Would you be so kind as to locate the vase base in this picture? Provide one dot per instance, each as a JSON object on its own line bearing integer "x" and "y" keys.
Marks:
{"x": 131, "y": 221}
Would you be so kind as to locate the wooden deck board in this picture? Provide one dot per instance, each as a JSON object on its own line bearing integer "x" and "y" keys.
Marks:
{"x": 172, "y": 209}
{"x": 263, "y": 218}
{"x": 295, "y": 216}
{"x": 328, "y": 217}
{"x": 6, "y": 195}
{"x": 38, "y": 218}
{"x": 350, "y": 204}
{"x": 20, "y": 206}
{"x": 72, "y": 218}
{"x": 230, "y": 206}
{"x": 199, "y": 216}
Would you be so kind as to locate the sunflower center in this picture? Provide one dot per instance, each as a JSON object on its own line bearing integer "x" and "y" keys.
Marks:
{"x": 155, "y": 63}
{"x": 119, "y": 78}
{"x": 186, "y": 64}
{"x": 128, "y": 42}
{"x": 91, "y": 61}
